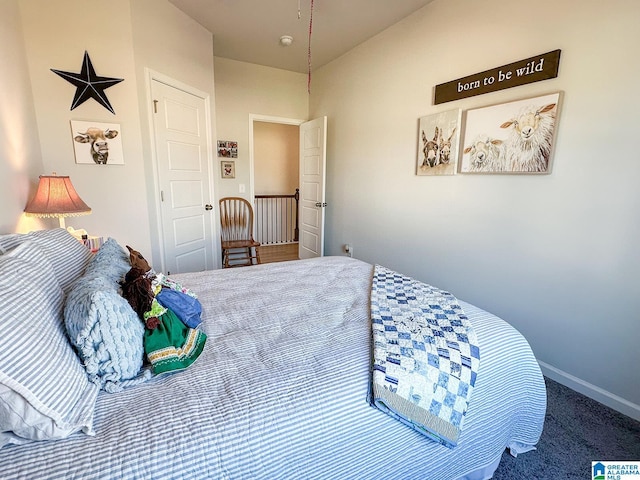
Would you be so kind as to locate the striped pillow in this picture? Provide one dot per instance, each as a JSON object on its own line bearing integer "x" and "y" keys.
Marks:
{"x": 44, "y": 390}
{"x": 67, "y": 255}
{"x": 9, "y": 241}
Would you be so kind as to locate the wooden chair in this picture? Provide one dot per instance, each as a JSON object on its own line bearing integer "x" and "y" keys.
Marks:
{"x": 236, "y": 233}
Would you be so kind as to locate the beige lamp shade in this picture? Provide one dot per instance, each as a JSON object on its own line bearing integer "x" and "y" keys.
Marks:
{"x": 56, "y": 197}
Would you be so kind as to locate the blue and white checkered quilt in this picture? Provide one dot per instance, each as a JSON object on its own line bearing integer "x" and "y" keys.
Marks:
{"x": 425, "y": 357}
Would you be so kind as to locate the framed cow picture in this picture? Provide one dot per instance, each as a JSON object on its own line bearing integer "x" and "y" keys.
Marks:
{"x": 97, "y": 143}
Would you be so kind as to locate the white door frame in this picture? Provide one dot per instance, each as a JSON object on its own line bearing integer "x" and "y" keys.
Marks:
{"x": 267, "y": 119}
{"x": 150, "y": 76}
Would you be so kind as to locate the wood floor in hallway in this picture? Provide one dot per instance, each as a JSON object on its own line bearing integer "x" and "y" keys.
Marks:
{"x": 278, "y": 253}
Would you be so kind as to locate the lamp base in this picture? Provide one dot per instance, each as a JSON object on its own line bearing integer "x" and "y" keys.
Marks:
{"x": 62, "y": 223}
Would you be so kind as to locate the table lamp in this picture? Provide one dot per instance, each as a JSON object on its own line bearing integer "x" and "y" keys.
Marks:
{"x": 56, "y": 197}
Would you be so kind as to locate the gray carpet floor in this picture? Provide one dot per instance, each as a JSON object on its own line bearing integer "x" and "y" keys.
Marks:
{"x": 577, "y": 431}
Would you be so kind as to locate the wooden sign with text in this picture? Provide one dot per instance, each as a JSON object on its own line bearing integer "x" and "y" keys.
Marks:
{"x": 529, "y": 70}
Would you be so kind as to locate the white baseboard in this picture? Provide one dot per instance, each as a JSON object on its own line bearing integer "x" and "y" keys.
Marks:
{"x": 598, "y": 394}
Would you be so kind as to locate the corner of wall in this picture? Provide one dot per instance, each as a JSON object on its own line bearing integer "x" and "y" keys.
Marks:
{"x": 592, "y": 391}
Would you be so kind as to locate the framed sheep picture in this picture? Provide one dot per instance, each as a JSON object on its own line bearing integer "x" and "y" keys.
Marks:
{"x": 515, "y": 137}
{"x": 438, "y": 142}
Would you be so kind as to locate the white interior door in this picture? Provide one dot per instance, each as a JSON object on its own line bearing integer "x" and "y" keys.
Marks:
{"x": 313, "y": 160}
{"x": 181, "y": 126}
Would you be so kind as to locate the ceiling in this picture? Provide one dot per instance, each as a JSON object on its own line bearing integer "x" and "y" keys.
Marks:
{"x": 250, "y": 30}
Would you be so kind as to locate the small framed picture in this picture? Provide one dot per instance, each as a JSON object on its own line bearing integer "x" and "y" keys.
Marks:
{"x": 227, "y": 148}
{"x": 97, "y": 143}
{"x": 228, "y": 169}
{"x": 438, "y": 140}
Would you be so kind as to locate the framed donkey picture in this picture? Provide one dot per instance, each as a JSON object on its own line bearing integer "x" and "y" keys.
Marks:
{"x": 438, "y": 143}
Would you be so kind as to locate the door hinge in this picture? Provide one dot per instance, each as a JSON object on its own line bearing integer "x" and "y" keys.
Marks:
{"x": 321, "y": 204}
{"x": 162, "y": 195}
{"x": 155, "y": 106}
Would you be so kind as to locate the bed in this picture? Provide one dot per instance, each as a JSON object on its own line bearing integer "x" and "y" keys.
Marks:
{"x": 279, "y": 392}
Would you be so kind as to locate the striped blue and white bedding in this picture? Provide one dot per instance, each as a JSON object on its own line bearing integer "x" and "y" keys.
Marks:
{"x": 280, "y": 392}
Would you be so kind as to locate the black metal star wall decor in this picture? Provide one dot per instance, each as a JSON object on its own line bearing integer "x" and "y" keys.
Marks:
{"x": 89, "y": 85}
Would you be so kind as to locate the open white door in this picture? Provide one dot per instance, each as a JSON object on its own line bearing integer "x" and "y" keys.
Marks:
{"x": 313, "y": 160}
{"x": 180, "y": 125}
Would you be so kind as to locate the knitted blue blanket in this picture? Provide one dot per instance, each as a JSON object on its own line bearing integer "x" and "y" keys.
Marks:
{"x": 425, "y": 355}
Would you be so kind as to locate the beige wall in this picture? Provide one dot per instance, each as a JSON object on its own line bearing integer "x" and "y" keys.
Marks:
{"x": 140, "y": 35}
{"x": 276, "y": 158}
{"x": 20, "y": 157}
{"x": 244, "y": 89}
{"x": 56, "y": 36}
{"x": 555, "y": 255}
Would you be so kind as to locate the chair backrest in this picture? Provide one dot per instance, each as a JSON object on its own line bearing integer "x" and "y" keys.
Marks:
{"x": 236, "y": 219}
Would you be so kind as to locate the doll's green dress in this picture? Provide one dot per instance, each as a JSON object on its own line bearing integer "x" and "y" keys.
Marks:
{"x": 171, "y": 345}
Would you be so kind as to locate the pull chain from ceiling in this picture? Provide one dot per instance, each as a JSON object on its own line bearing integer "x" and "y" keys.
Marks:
{"x": 309, "y": 50}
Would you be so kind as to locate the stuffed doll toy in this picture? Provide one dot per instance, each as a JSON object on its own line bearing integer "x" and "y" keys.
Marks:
{"x": 169, "y": 343}
{"x": 170, "y": 294}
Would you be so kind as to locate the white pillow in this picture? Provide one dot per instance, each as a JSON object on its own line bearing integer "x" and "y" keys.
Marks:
{"x": 44, "y": 391}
